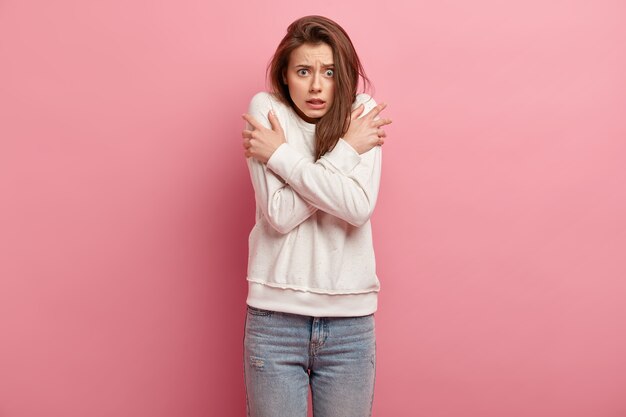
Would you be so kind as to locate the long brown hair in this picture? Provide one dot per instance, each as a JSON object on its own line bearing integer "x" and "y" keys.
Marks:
{"x": 348, "y": 68}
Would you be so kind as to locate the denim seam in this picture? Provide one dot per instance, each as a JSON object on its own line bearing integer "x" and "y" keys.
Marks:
{"x": 244, "y": 367}
{"x": 374, "y": 381}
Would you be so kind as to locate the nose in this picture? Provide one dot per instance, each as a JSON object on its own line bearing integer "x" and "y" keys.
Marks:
{"x": 316, "y": 85}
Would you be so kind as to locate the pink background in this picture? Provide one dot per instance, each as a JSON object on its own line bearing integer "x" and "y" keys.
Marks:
{"x": 126, "y": 204}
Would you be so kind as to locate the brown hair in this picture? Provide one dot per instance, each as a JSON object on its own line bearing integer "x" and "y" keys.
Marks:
{"x": 348, "y": 68}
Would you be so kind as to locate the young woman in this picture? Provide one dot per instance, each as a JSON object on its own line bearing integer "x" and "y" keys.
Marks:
{"x": 314, "y": 155}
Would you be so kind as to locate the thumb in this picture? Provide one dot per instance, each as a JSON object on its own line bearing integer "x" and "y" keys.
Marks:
{"x": 276, "y": 127}
{"x": 357, "y": 112}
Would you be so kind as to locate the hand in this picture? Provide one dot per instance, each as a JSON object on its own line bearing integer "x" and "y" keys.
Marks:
{"x": 365, "y": 133}
{"x": 261, "y": 142}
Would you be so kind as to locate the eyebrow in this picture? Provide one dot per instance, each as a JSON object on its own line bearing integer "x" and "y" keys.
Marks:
{"x": 309, "y": 66}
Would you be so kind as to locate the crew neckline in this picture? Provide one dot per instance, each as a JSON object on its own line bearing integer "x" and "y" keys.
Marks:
{"x": 303, "y": 123}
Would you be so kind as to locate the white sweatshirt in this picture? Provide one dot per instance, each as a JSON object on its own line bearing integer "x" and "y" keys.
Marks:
{"x": 311, "y": 251}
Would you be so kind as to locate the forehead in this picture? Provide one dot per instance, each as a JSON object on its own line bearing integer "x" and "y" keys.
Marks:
{"x": 310, "y": 54}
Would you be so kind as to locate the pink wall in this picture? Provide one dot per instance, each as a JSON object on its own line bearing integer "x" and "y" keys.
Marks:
{"x": 125, "y": 204}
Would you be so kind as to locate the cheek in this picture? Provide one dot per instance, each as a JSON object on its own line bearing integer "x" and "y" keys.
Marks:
{"x": 296, "y": 89}
{"x": 331, "y": 91}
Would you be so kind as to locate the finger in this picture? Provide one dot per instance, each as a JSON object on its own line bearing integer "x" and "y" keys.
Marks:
{"x": 276, "y": 127}
{"x": 246, "y": 143}
{"x": 357, "y": 112}
{"x": 381, "y": 133}
{"x": 374, "y": 112}
{"x": 381, "y": 122}
{"x": 246, "y": 134}
{"x": 253, "y": 122}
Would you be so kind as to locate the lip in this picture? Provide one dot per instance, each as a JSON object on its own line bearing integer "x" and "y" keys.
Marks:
{"x": 316, "y": 103}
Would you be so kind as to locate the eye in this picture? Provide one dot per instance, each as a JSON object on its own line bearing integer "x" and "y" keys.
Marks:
{"x": 302, "y": 71}
{"x": 330, "y": 72}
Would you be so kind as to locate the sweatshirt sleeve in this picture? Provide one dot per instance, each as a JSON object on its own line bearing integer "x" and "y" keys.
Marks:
{"x": 283, "y": 208}
{"x": 342, "y": 182}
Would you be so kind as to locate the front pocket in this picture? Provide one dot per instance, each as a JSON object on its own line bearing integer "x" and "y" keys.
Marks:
{"x": 259, "y": 311}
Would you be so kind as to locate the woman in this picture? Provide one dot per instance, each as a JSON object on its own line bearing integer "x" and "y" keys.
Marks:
{"x": 312, "y": 148}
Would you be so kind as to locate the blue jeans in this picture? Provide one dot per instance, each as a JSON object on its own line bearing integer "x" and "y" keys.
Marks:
{"x": 284, "y": 353}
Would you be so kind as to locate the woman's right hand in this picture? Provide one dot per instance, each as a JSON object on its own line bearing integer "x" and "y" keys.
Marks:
{"x": 365, "y": 133}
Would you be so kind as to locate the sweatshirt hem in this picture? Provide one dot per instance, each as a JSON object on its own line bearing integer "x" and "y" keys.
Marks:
{"x": 314, "y": 290}
{"x": 311, "y": 304}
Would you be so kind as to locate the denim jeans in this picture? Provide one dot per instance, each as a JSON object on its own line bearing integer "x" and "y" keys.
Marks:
{"x": 284, "y": 353}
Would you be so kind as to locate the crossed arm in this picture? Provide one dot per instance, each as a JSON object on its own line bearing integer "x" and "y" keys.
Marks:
{"x": 290, "y": 187}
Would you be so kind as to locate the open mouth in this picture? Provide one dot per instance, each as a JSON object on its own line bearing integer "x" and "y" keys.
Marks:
{"x": 316, "y": 104}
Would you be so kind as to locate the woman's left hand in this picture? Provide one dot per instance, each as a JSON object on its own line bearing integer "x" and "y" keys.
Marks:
{"x": 261, "y": 142}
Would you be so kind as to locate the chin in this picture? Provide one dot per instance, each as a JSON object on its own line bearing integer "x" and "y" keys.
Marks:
{"x": 315, "y": 115}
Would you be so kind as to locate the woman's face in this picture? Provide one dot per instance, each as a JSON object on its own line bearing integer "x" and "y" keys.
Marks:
{"x": 310, "y": 79}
